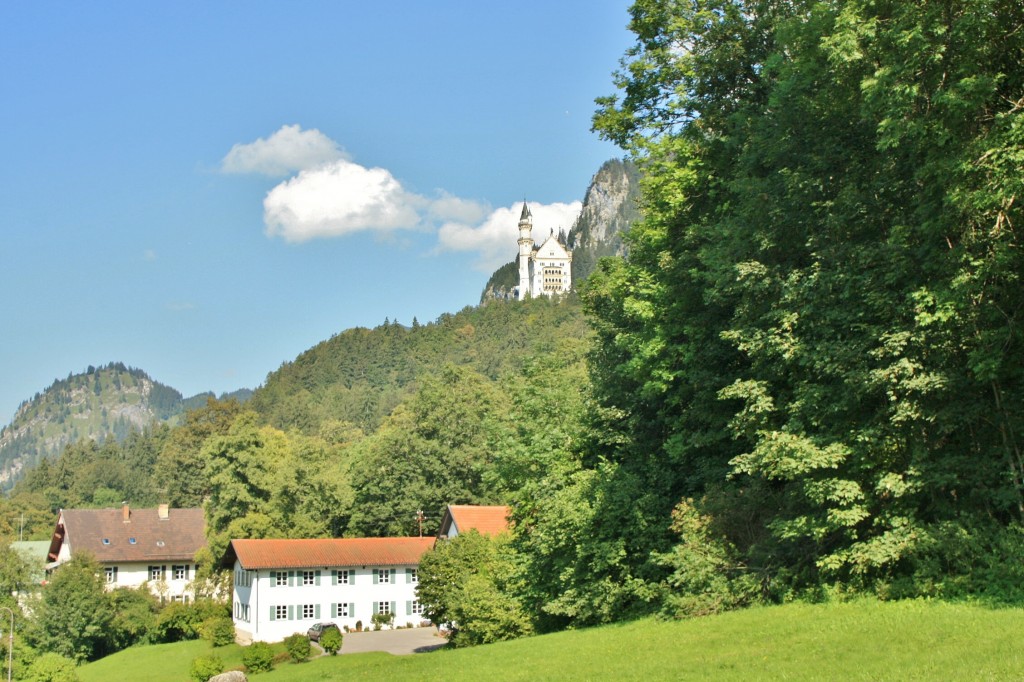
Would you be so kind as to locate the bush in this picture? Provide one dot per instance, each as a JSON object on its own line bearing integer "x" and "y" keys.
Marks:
{"x": 205, "y": 667}
{"x": 53, "y": 668}
{"x": 258, "y": 657}
{"x": 381, "y": 619}
{"x": 297, "y": 646}
{"x": 330, "y": 641}
{"x": 218, "y": 631}
{"x": 178, "y": 621}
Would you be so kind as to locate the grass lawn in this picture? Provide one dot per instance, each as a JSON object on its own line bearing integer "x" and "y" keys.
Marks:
{"x": 863, "y": 640}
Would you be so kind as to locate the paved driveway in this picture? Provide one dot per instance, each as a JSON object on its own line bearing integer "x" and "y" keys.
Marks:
{"x": 409, "y": 641}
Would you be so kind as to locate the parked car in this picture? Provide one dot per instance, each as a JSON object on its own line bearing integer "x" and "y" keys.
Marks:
{"x": 319, "y": 629}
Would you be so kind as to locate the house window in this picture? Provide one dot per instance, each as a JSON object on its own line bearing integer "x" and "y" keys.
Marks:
{"x": 340, "y": 610}
{"x": 280, "y": 578}
{"x": 341, "y": 577}
{"x": 110, "y": 573}
{"x": 106, "y": 541}
{"x": 308, "y": 577}
{"x": 156, "y": 573}
{"x": 383, "y": 575}
{"x": 180, "y": 572}
{"x": 417, "y": 608}
{"x": 281, "y": 612}
{"x": 384, "y": 607}
{"x": 414, "y": 575}
{"x": 307, "y": 611}
{"x": 131, "y": 541}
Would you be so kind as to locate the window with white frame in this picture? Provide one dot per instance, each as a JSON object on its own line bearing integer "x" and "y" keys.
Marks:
{"x": 341, "y": 577}
{"x": 280, "y": 578}
{"x": 308, "y": 611}
{"x": 308, "y": 577}
{"x": 156, "y": 573}
{"x": 383, "y": 575}
{"x": 384, "y": 607}
{"x": 281, "y": 612}
{"x": 417, "y": 608}
{"x": 110, "y": 573}
{"x": 414, "y": 575}
{"x": 179, "y": 572}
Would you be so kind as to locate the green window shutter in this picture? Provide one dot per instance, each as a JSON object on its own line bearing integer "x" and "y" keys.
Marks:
{"x": 291, "y": 612}
{"x": 352, "y": 610}
{"x": 408, "y": 608}
{"x": 273, "y": 613}
{"x": 352, "y": 577}
{"x": 393, "y": 573}
{"x": 318, "y": 578}
{"x": 408, "y": 575}
{"x": 394, "y": 611}
{"x": 376, "y": 607}
{"x": 186, "y": 571}
{"x": 316, "y": 612}
{"x": 376, "y": 576}
{"x": 291, "y": 578}
{"x": 334, "y": 610}
{"x": 334, "y": 577}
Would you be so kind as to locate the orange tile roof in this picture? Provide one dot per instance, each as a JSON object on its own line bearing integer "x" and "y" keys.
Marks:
{"x": 486, "y": 520}
{"x": 308, "y": 553}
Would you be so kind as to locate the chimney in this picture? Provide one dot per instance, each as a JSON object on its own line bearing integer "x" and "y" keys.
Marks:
{"x": 126, "y": 513}
{"x": 162, "y": 511}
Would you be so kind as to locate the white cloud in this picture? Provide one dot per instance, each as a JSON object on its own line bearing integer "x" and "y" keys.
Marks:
{"x": 495, "y": 237}
{"x": 339, "y": 198}
{"x": 332, "y": 196}
{"x": 288, "y": 150}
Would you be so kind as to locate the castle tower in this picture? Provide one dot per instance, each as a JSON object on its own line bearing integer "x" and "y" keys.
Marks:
{"x": 525, "y": 251}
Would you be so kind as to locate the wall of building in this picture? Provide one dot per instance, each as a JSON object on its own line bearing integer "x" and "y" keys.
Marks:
{"x": 269, "y": 605}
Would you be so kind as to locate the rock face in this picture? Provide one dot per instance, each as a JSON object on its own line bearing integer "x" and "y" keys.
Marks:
{"x": 609, "y": 208}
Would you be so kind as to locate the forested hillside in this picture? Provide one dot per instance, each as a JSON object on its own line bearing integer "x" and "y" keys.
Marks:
{"x": 358, "y": 376}
{"x": 106, "y": 402}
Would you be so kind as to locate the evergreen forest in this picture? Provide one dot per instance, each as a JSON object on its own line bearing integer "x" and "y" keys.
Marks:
{"x": 804, "y": 381}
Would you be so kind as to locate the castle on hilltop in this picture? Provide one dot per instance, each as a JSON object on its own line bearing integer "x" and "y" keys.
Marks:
{"x": 545, "y": 269}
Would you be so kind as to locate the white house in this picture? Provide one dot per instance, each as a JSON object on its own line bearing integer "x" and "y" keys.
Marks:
{"x": 155, "y": 547}
{"x": 283, "y": 586}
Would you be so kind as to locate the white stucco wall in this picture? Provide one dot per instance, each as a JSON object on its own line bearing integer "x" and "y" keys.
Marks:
{"x": 133, "y": 575}
{"x": 256, "y": 598}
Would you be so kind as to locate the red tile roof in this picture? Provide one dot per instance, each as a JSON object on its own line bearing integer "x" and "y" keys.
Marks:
{"x": 145, "y": 537}
{"x": 257, "y": 554}
{"x": 485, "y": 520}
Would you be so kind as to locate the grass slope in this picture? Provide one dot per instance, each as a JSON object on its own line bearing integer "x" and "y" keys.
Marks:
{"x": 864, "y": 640}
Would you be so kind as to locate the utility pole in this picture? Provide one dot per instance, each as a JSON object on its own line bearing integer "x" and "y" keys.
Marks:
{"x": 419, "y": 518}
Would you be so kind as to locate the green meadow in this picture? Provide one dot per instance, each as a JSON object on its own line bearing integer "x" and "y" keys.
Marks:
{"x": 861, "y": 640}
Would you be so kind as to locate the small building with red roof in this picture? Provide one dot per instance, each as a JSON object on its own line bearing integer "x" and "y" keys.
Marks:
{"x": 284, "y": 586}
{"x": 486, "y": 520}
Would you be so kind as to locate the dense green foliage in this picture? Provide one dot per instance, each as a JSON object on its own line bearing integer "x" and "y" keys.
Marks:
{"x": 817, "y": 333}
{"x": 205, "y": 667}
{"x": 359, "y": 376}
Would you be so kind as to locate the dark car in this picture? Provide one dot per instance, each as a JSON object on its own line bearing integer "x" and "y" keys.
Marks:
{"x": 319, "y": 629}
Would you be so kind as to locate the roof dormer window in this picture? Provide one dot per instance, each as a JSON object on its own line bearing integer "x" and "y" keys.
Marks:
{"x": 106, "y": 541}
{"x": 131, "y": 541}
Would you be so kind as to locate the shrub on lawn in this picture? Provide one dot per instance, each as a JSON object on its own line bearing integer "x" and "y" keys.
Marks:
{"x": 219, "y": 630}
{"x": 330, "y": 641}
{"x": 52, "y": 667}
{"x": 258, "y": 657}
{"x": 297, "y": 646}
{"x": 205, "y": 667}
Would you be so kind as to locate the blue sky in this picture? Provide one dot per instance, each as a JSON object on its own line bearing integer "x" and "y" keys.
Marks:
{"x": 205, "y": 190}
